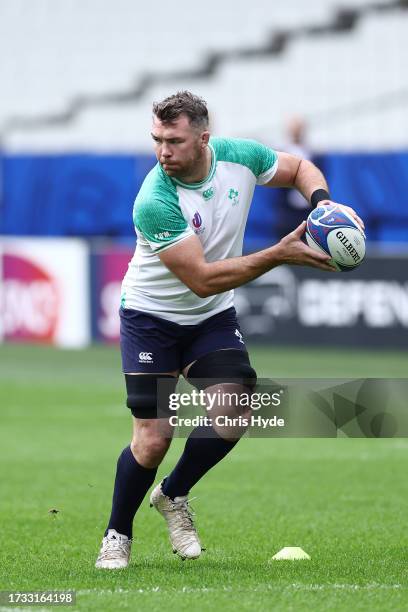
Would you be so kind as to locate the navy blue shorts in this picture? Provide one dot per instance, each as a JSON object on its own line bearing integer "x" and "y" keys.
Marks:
{"x": 152, "y": 345}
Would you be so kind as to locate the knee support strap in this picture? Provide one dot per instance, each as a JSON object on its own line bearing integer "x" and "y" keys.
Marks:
{"x": 143, "y": 398}
{"x": 228, "y": 365}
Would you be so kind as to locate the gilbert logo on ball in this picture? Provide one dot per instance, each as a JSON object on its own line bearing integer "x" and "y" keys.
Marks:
{"x": 332, "y": 230}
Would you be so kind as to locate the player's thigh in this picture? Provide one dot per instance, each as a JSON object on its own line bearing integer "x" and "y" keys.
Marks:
{"x": 217, "y": 333}
{"x": 218, "y": 363}
{"x": 148, "y": 344}
{"x": 227, "y": 379}
{"x": 150, "y": 350}
{"x": 148, "y": 396}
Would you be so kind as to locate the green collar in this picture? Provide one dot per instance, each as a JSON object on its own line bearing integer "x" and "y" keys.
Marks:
{"x": 203, "y": 182}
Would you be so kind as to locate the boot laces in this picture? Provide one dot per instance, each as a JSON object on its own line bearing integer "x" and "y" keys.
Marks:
{"x": 184, "y": 514}
{"x": 112, "y": 547}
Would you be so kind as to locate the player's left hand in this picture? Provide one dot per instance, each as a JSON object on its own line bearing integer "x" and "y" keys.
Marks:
{"x": 348, "y": 210}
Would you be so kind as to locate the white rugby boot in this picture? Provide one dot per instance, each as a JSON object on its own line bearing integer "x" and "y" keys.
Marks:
{"x": 179, "y": 518}
{"x": 115, "y": 551}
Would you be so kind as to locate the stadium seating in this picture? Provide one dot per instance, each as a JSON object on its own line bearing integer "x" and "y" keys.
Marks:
{"x": 342, "y": 80}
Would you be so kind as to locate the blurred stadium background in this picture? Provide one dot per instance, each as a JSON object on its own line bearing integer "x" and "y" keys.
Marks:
{"x": 78, "y": 80}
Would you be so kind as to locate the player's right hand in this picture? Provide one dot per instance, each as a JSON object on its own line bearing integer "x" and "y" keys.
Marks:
{"x": 296, "y": 252}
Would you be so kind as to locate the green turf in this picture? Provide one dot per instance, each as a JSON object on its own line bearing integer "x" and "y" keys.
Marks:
{"x": 342, "y": 500}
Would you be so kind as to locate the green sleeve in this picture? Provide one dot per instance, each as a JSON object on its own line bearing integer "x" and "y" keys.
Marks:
{"x": 157, "y": 214}
{"x": 261, "y": 160}
{"x": 161, "y": 223}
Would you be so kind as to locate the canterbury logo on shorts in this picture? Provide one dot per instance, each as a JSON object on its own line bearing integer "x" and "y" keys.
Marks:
{"x": 145, "y": 358}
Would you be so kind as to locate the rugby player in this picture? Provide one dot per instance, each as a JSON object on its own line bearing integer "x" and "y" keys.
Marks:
{"x": 177, "y": 307}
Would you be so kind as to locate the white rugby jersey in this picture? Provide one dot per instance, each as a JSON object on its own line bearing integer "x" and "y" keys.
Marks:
{"x": 167, "y": 211}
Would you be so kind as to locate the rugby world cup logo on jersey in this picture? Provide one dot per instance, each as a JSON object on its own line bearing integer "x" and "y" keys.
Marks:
{"x": 198, "y": 223}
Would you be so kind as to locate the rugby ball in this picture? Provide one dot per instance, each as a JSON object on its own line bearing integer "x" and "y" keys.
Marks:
{"x": 332, "y": 230}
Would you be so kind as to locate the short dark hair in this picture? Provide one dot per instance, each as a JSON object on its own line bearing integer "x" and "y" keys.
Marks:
{"x": 183, "y": 102}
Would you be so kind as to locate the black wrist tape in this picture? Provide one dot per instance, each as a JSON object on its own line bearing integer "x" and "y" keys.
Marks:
{"x": 318, "y": 196}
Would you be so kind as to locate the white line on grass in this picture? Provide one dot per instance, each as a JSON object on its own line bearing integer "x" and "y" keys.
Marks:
{"x": 25, "y": 609}
{"x": 347, "y": 587}
{"x": 263, "y": 587}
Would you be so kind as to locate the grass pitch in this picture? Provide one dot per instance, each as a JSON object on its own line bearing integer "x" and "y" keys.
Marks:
{"x": 342, "y": 500}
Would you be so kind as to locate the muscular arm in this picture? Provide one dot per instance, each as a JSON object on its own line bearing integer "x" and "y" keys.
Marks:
{"x": 186, "y": 260}
{"x": 299, "y": 174}
{"x": 304, "y": 176}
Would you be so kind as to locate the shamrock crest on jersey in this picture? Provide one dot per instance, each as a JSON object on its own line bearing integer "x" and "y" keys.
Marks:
{"x": 233, "y": 195}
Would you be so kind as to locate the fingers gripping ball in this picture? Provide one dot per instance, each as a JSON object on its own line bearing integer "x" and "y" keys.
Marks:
{"x": 332, "y": 230}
